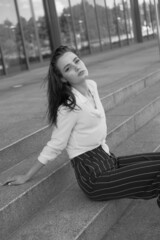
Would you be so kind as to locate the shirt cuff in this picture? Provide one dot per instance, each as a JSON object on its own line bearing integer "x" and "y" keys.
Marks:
{"x": 42, "y": 160}
{"x": 45, "y": 159}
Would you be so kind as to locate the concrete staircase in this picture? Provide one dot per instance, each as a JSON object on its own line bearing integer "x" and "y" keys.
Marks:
{"x": 51, "y": 206}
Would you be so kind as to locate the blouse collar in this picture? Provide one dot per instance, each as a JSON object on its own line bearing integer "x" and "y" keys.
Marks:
{"x": 81, "y": 99}
{"x": 79, "y": 95}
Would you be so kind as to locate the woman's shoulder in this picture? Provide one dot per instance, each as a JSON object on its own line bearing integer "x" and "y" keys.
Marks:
{"x": 92, "y": 84}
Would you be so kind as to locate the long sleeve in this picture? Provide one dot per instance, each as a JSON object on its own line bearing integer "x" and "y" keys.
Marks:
{"x": 66, "y": 121}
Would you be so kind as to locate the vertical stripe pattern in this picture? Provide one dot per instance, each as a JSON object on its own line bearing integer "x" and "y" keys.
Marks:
{"x": 104, "y": 177}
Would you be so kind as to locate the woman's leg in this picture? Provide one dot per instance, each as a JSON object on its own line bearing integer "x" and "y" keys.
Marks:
{"x": 104, "y": 177}
{"x": 142, "y": 157}
{"x": 138, "y": 176}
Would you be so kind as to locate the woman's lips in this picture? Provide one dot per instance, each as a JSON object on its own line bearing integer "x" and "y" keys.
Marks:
{"x": 81, "y": 72}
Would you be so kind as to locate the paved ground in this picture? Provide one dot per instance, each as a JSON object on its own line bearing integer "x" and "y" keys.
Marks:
{"x": 23, "y": 96}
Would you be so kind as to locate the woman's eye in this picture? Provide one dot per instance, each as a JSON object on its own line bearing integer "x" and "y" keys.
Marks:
{"x": 67, "y": 69}
{"x": 77, "y": 60}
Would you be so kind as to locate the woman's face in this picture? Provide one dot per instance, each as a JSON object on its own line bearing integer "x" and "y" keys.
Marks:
{"x": 72, "y": 68}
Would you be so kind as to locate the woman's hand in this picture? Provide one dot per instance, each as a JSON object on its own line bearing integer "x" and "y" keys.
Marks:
{"x": 21, "y": 179}
{"x": 16, "y": 180}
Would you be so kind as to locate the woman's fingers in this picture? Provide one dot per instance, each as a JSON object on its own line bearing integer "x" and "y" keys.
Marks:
{"x": 8, "y": 182}
{"x": 17, "y": 180}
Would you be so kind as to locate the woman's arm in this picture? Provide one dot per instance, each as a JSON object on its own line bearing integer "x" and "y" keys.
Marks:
{"x": 60, "y": 135}
{"x": 20, "y": 179}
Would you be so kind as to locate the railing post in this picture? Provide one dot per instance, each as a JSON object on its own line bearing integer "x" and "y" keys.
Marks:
{"x": 136, "y": 21}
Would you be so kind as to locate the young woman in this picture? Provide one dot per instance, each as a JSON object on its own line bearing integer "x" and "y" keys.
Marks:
{"x": 79, "y": 125}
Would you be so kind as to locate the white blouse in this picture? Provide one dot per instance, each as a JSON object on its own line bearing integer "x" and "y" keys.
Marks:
{"x": 80, "y": 130}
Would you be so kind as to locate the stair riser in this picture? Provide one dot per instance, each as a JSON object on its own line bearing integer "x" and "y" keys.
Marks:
{"x": 122, "y": 94}
{"x": 131, "y": 125}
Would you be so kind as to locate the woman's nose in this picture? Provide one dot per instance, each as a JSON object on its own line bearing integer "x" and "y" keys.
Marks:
{"x": 76, "y": 67}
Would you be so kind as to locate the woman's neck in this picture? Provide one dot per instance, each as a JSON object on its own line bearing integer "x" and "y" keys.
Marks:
{"x": 82, "y": 88}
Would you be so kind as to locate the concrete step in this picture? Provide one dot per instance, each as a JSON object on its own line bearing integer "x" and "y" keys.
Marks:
{"x": 72, "y": 216}
{"x": 20, "y": 203}
{"x": 109, "y": 83}
{"x": 141, "y": 220}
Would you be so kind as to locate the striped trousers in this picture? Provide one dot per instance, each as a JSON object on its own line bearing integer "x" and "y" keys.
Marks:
{"x": 104, "y": 177}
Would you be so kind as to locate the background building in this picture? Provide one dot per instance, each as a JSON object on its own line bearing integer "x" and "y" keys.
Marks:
{"x": 31, "y": 29}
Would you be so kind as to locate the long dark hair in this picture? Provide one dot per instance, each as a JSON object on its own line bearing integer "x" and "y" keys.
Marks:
{"x": 59, "y": 93}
